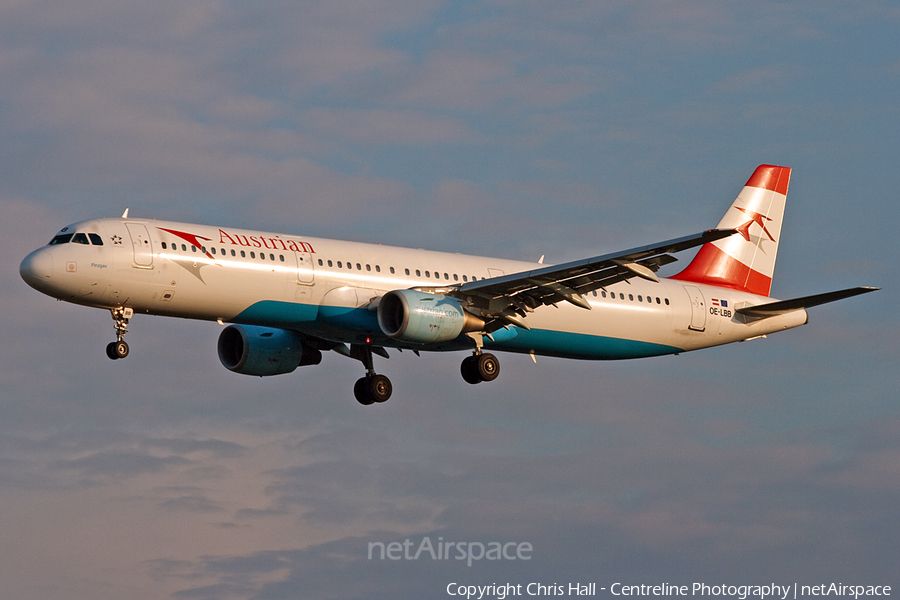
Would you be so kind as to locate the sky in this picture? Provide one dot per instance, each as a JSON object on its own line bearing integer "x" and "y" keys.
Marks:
{"x": 508, "y": 129}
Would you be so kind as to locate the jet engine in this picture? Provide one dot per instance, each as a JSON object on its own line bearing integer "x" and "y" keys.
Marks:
{"x": 253, "y": 350}
{"x": 413, "y": 316}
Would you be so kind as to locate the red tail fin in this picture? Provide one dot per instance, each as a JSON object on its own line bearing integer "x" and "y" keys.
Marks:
{"x": 746, "y": 261}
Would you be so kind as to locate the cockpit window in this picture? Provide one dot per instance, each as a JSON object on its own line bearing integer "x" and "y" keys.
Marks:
{"x": 77, "y": 238}
{"x": 62, "y": 238}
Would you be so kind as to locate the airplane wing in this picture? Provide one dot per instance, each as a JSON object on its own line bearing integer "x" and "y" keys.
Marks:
{"x": 786, "y": 306}
{"x": 509, "y": 297}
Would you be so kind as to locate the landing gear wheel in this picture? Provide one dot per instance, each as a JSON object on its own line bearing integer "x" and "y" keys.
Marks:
{"x": 372, "y": 388}
{"x": 380, "y": 388}
{"x": 116, "y": 350}
{"x": 488, "y": 367}
{"x": 469, "y": 370}
{"x": 361, "y": 392}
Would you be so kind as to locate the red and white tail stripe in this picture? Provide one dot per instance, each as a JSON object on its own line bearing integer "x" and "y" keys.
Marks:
{"x": 746, "y": 261}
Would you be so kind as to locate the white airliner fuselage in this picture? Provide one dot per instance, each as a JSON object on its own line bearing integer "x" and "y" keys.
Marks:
{"x": 290, "y": 297}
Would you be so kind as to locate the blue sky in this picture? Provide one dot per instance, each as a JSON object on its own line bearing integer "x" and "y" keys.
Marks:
{"x": 511, "y": 129}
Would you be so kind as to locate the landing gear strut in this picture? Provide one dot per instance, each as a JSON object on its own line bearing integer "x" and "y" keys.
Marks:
{"x": 373, "y": 387}
{"x": 119, "y": 348}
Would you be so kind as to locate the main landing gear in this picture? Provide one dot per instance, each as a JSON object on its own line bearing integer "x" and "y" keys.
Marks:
{"x": 480, "y": 367}
{"x": 373, "y": 387}
{"x": 119, "y": 348}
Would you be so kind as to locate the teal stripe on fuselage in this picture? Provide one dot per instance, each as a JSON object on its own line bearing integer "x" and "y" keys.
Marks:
{"x": 352, "y": 323}
{"x": 565, "y": 344}
{"x": 274, "y": 313}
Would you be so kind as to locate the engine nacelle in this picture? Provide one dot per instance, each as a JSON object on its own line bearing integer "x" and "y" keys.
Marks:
{"x": 414, "y": 316}
{"x": 261, "y": 351}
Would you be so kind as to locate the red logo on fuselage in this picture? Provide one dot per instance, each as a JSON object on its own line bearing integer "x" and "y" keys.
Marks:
{"x": 192, "y": 239}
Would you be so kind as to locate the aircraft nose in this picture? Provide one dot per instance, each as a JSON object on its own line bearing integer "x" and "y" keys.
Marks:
{"x": 37, "y": 268}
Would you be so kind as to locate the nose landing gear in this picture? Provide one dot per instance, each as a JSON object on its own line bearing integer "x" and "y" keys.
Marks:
{"x": 119, "y": 348}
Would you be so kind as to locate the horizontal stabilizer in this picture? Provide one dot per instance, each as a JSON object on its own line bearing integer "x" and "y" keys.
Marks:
{"x": 785, "y": 306}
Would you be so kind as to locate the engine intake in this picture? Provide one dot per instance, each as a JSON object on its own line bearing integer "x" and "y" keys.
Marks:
{"x": 413, "y": 316}
{"x": 263, "y": 351}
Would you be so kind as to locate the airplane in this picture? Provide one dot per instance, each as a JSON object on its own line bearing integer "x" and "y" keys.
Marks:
{"x": 287, "y": 298}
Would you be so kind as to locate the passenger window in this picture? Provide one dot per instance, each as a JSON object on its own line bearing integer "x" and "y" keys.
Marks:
{"x": 163, "y": 245}
{"x": 183, "y": 248}
{"x": 377, "y": 269}
{"x": 253, "y": 255}
{"x": 320, "y": 263}
{"x": 446, "y": 276}
{"x": 418, "y": 273}
{"x": 667, "y": 301}
{"x": 640, "y": 298}
{"x": 281, "y": 258}
{"x": 272, "y": 257}
{"x": 95, "y": 239}
{"x": 330, "y": 264}
{"x": 465, "y": 278}
{"x": 213, "y": 249}
{"x": 455, "y": 277}
{"x": 233, "y": 253}
{"x": 80, "y": 238}
{"x": 427, "y": 273}
{"x": 358, "y": 267}
{"x": 243, "y": 254}
{"x": 407, "y": 271}
{"x": 368, "y": 267}
{"x": 193, "y": 248}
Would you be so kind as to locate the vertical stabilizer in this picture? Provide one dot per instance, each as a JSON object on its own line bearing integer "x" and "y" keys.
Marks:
{"x": 746, "y": 260}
